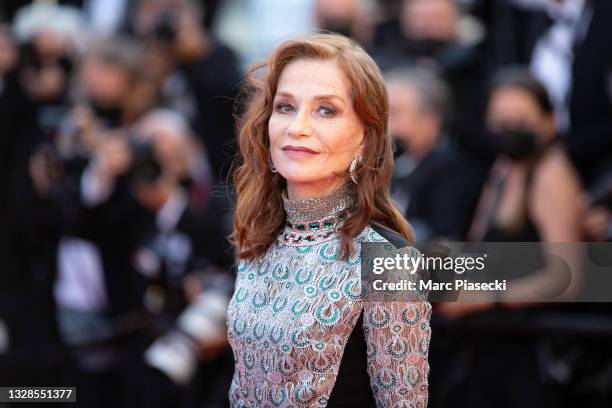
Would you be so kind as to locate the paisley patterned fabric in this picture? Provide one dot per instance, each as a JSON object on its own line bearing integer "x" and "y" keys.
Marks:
{"x": 291, "y": 315}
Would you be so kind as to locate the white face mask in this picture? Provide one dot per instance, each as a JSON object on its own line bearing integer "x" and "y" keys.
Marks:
{"x": 532, "y": 4}
{"x": 568, "y": 10}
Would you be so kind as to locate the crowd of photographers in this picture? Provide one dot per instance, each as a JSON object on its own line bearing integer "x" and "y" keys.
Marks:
{"x": 117, "y": 121}
{"x": 115, "y": 268}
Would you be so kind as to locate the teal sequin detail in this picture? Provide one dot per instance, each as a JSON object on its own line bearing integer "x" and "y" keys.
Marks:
{"x": 351, "y": 289}
{"x": 413, "y": 376}
{"x": 386, "y": 379}
{"x": 410, "y": 315}
{"x": 280, "y": 272}
{"x": 397, "y": 348}
{"x": 334, "y": 295}
{"x": 249, "y": 359}
{"x": 259, "y": 331}
{"x": 240, "y": 327}
{"x": 279, "y": 304}
{"x": 379, "y": 322}
{"x": 263, "y": 269}
{"x": 300, "y": 279}
{"x": 354, "y": 259}
{"x": 241, "y": 294}
{"x": 276, "y": 337}
{"x": 327, "y": 317}
{"x": 304, "y": 394}
{"x": 321, "y": 363}
{"x": 259, "y": 300}
{"x": 327, "y": 283}
{"x": 277, "y": 396}
{"x": 298, "y": 312}
{"x": 298, "y": 340}
{"x": 310, "y": 291}
{"x": 329, "y": 252}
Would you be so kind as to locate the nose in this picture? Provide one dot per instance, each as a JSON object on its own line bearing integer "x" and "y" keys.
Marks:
{"x": 300, "y": 126}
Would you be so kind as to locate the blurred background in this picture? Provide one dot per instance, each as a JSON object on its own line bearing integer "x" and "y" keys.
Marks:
{"x": 117, "y": 123}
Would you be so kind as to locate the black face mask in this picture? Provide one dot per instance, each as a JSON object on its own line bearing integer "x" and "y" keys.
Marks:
{"x": 339, "y": 26}
{"x": 399, "y": 147}
{"x": 425, "y": 47}
{"x": 110, "y": 116}
{"x": 187, "y": 182}
{"x": 516, "y": 144}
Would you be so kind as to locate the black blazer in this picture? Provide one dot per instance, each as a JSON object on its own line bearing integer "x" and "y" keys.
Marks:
{"x": 444, "y": 176}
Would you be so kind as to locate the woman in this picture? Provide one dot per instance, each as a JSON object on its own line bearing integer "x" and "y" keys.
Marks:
{"x": 532, "y": 185}
{"x": 312, "y": 185}
{"x": 532, "y": 195}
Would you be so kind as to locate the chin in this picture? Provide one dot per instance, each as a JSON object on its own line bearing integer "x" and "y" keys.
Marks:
{"x": 298, "y": 173}
{"x": 298, "y": 178}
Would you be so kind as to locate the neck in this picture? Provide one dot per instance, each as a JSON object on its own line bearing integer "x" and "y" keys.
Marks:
{"x": 317, "y": 208}
{"x": 304, "y": 191}
{"x": 314, "y": 219}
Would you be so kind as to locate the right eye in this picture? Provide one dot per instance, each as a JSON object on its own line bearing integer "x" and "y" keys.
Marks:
{"x": 284, "y": 107}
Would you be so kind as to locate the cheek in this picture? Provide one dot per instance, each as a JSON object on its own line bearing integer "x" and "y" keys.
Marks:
{"x": 350, "y": 138}
{"x": 341, "y": 147}
{"x": 274, "y": 129}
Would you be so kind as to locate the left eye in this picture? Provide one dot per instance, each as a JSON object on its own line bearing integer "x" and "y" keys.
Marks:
{"x": 327, "y": 111}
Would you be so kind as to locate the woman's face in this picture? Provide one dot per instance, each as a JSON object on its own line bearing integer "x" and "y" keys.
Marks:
{"x": 314, "y": 131}
{"x": 514, "y": 108}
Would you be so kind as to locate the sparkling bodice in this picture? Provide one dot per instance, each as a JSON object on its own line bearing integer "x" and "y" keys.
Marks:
{"x": 294, "y": 309}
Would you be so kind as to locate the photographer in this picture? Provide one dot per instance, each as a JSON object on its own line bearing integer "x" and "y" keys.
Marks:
{"x": 442, "y": 36}
{"x": 179, "y": 256}
{"x": 100, "y": 316}
{"x": 187, "y": 262}
{"x": 197, "y": 73}
{"x": 30, "y": 347}
{"x": 50, "y": 37}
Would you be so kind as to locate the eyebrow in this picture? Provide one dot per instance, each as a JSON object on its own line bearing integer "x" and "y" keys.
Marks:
{"x": 330, "y": 96}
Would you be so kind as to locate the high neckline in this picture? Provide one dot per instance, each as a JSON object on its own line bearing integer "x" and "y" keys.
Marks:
{"x": 314, "y": 219}
{"x": 318, "y": 208}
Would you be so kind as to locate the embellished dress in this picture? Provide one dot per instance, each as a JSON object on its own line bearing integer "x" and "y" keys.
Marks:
{"x": 302, "y": 337}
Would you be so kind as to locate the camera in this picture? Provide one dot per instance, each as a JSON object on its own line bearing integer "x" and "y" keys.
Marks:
{"x": 164, "y": 29}
{"x": 145, "y": 167}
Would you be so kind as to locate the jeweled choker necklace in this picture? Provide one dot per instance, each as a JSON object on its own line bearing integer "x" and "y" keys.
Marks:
{"x": 315, "y": 219}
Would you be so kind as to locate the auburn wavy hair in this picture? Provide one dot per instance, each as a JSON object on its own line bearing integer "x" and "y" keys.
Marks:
{"x": 259, "y": 214}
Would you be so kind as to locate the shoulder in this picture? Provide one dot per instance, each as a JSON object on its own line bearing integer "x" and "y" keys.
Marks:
{"x": 380, "y": 256}
{"x": 555, "y": 171}
{"x": 377, "y": 233}
{"x": 381, "y": 233}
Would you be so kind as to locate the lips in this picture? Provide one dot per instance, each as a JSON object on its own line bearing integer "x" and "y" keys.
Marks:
{"x": 290, "y": 148}
{"x": 297, "y": 152}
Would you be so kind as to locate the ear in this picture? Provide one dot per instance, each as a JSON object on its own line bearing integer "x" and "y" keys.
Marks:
{"x": 361, "y": 145}
{"x": 432, "y": 127}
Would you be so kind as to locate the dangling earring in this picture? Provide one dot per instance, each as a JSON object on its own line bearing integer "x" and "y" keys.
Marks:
{"x": 272, "y": 166}
{"x": 352, "y": 168}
